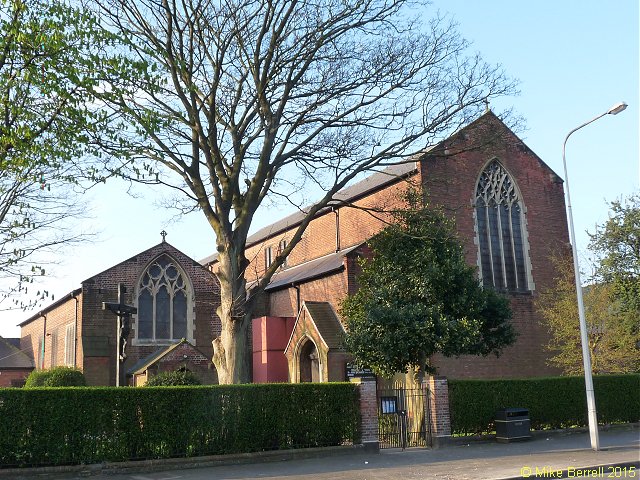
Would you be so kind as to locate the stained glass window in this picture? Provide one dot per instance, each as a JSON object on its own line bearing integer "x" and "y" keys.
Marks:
{"x": 162, "y": 302}
{"x": 499, "y": 221}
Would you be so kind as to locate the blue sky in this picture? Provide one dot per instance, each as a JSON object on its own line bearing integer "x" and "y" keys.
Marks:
{"x": 574, "y": 60}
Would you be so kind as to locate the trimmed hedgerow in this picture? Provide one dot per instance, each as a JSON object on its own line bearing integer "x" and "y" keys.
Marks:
{"x": 556, "y": 402}
{"x": 173, "y": 379}
{"x": 55, "y": 426}
{"x": 56, "y": 377}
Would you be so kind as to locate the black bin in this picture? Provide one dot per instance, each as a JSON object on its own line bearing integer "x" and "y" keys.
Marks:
{"x": 512, "y": 424}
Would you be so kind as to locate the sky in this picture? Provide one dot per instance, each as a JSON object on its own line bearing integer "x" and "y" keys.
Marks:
{"x": 574, "y": 60}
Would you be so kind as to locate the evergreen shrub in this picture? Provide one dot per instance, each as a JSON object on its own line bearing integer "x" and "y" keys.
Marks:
{"x": 60, "y": 426}
{"x": 56, "y": 377}
{"x": 173, "y": 379}
{"x": 553, "y": 402}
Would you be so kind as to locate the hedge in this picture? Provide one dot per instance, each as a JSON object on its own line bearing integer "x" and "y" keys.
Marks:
{"x": 556, "y": 402}
{"x": 56, "y": 426}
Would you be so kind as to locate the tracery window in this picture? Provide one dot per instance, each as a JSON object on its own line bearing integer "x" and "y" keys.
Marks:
{"x": 501, "y": 230}
{"x": 163, "y": 294}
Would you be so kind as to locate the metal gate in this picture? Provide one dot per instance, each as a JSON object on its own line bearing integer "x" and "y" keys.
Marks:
{"x": 403, "y": 417}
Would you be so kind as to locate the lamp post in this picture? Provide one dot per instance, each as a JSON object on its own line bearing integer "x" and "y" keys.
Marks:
{"x": 586, "y": 357}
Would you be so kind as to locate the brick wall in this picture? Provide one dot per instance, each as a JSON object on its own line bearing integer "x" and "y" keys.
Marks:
{"x": 52, "y": 325}
{"x": 357, "y": 224}
{"x": 450, "y": 182}
{"x": 13, "y": 377}
{"x": 368, "y": 412}
{"x": 332, "y": 288}
{"x": 438, "y": 406}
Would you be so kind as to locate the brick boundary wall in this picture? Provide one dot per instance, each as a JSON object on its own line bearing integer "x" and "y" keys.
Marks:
{"x": 368, "y": 412}
{"x": 438, "y": 390}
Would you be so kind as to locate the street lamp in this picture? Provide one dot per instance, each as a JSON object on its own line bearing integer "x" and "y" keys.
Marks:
{"x": 586, "y": 357}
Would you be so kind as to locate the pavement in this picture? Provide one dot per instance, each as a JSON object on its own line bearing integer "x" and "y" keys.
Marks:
{"x": 552, "y": 455}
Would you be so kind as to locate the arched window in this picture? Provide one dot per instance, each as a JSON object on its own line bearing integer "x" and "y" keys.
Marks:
{"x": 163, "y": 302}
{"x": 501, "y": 234}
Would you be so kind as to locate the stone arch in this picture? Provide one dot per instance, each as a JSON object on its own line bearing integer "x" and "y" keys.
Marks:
{"x": 308, "y": 362}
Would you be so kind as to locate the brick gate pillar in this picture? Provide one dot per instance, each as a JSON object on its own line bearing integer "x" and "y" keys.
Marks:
{"x": 368, "y": 412}
{"x": 438, "y": 389}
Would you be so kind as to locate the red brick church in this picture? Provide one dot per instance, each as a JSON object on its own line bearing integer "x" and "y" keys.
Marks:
{"x": 509, "y": 209}
{"x": 176, "y": 299}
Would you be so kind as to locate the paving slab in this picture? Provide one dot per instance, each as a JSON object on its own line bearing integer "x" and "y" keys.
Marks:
{"x": 545, "y": 456}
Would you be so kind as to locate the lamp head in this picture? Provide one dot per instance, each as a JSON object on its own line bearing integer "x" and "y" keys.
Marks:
{"x": 617, "y": 108}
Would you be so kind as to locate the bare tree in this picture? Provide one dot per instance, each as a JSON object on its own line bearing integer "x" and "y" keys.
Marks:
{"x": 38, "y": 212}
{"x": 250, "y": 99}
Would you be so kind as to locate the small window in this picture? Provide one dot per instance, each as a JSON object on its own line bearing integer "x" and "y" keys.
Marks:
{"x": 268, "y": 257}
{"x": 281, "y": 246}
{"x": 70, "y": 345}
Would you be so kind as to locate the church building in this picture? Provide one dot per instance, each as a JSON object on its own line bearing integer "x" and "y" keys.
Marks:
{"x": 176, "y": 300}
{"x": 509, "y": 211}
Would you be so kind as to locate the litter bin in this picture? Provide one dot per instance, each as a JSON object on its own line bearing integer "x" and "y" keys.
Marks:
{"x": 512, "y": 424}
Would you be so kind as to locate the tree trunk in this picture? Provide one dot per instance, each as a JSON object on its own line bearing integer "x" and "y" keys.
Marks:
{"x": 231, "y": 350}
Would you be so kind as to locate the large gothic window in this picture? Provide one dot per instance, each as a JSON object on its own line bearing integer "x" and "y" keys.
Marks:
{"x": 163, "y": 294}
{"x": 500, "y": 226}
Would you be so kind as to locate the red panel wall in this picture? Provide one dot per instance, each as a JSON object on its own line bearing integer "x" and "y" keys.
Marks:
{"x": 270, "y": 338}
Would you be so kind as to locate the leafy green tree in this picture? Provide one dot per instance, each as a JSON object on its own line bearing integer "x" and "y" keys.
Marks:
{"x": 252, "y": 101}
{"x": 52, "y": 57}
{"x": 612, "y": 329}
{"x": 417, "y": 297}
{"x": 616, "y": 244}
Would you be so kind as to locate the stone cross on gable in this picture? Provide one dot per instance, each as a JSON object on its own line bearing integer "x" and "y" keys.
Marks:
{"x": 123, "y": 313}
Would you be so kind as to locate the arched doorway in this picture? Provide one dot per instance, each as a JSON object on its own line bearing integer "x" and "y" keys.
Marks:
{"x": 309, "y": 363}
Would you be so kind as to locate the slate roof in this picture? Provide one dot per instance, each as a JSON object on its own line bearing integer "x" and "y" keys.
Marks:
{"x": 346, "y": 195}
{"x": 309, "y": 270}
{"x": 12, "y": 357}
{"x": 141, "y": 365}
{"x": 144, "y": 363}
{"x": 327, "y": 323}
